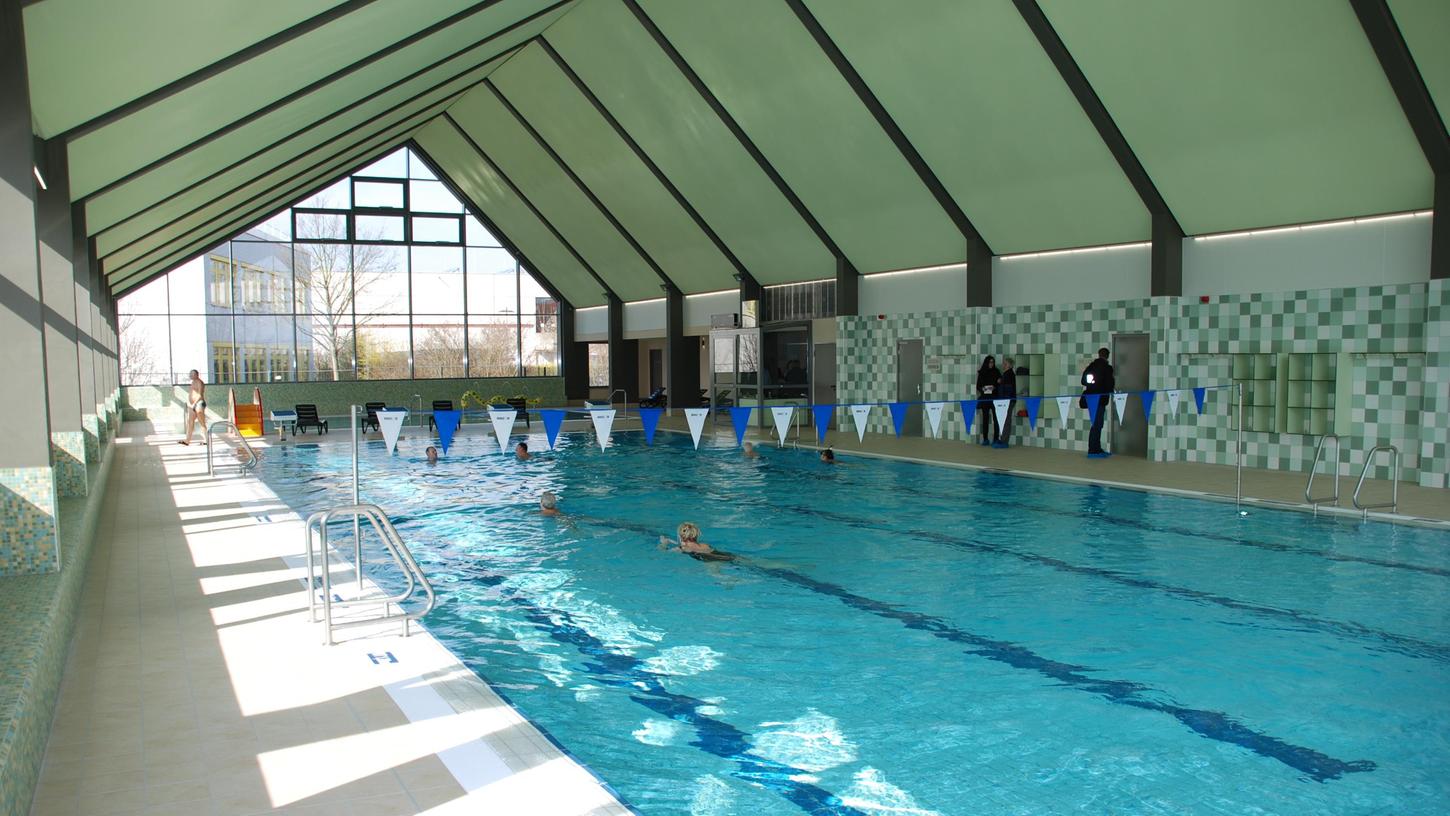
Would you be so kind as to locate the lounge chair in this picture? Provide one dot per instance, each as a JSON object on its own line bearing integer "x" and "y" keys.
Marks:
{"x": 522, "y": 406}
{"x": 307, "y": 418}
{"x": 438, "y": 405}
{"x": 656, "y": 399}
{"x": 372, "y": 409}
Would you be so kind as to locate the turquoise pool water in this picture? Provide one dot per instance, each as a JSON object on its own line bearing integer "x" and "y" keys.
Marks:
{"x": 908, "y": 639}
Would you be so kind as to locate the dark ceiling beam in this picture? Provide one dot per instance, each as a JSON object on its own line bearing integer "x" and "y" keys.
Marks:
{"x": 300, "y": 185}
{"x": 644, "y": 158}
{"x": 519, "y": 193}
{"x": 207, "y": 72}
{"x": 1420, "y": 111}
{"x": 361, "y": 128}
{"x": 579, "y": 182}
{"x": 736, "y": 130}
{"x": 1167, "y": 233}
{"x": 399, "y": 45}
{"x": 474, "y": 210}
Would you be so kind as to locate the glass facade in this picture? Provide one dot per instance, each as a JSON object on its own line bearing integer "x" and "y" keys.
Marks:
{"x": 381, "y": 275}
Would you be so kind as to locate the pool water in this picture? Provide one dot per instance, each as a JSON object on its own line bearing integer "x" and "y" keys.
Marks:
{"x": 911, "y": 639}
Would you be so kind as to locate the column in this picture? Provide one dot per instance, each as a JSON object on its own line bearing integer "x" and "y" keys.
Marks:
{"x": 682, "y": 354}
{"x": 58, "y": 300}
{"x": 85, "y": 282}
{"x": 979, "y": 274}
{"x": 623, "y": 354}
{"x": 575, "y": 356}
{"x": 848, "y": 284}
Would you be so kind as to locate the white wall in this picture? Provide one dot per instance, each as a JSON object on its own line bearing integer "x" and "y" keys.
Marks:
{"x": 644, "y": 318}
{"x": 1372, "y": 252}
{"x": 1073, "y": 277}
{"x": 699, "y": 308}
{"x": 935, "y": 290}
{"x": 591, "y": 323}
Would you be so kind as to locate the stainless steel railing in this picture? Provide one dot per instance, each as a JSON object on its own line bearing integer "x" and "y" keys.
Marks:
{"x": 318, "y": 555}
{"x": 1309, "y": 497}
{"x": 1394, "y": 501}
{"x": 247, "y": 463}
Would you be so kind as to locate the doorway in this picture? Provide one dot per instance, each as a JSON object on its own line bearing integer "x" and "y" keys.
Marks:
{"x": 656, "y": 369}
{"x": 909, "y": 358}
{"x": 1130, "y": 371}
{"x": 823, "y": 375}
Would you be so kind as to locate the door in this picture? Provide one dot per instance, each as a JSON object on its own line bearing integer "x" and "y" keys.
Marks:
{"x": 656, "y": 369}
{"x": 909, "y": 358}
{"x": 823, "y": 374}
{"x": 1130, "y": 370}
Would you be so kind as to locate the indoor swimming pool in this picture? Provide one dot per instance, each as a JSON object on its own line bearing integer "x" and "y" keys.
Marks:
{"x": 910, "y": 639}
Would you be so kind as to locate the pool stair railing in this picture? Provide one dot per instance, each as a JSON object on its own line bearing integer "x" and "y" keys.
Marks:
{"x": 368, "y": 595}
{"x": 1394, "y": 501}
{"x": 246, "y": 457}
{"x": 1332, "y": 498}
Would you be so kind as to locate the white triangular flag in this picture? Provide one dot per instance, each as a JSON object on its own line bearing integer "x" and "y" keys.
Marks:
{"x": 782, "y": 417}
{"x": 696, "y": 418}
{"x": 1064, "y": 407}
{"x": 860, "y": 413}
{"x": 391, "y": 424}
{"x": 933, "y": 416}
{"x": 603, "y": 421}
{"x": 1173, "y": 396}
{"x": 503, "y": 425}
{"x": 1120, "y": 400}
{"x": 1000, "y": 406}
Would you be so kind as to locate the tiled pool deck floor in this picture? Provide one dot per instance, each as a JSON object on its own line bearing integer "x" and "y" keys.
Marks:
{"x": 197, "y": 686}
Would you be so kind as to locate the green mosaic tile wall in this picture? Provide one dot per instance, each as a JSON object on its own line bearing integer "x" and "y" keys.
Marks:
{"x": 91, "y": 427}
{"x": 1397, "y": 338}
{"x": 68, "y": 458}
{"x": 27, "y": 521}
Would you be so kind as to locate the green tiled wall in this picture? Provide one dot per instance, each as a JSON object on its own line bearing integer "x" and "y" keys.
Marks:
{"x": 27, "y": 521}
{"x": 68, "y": 458}
{"x": 1397, "y": 339}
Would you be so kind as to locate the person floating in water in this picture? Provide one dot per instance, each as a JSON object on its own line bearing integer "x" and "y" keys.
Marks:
{"x": 691, "y": 545}
{"x": 521, "y": 451}
{"x": 432, "y": 454}
{"x": 548, "y": 504}
{"x": 748, "y": 450}
{"x": 828, "y": 456}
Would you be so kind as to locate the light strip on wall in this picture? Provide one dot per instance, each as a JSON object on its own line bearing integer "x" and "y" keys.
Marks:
{"x": 1344, "y": 222}
{"x": 38, "y": 178}
{"x": 1079, "y": 251}
{"x": 915, "y": 270}
{"x": 713, "y": 294}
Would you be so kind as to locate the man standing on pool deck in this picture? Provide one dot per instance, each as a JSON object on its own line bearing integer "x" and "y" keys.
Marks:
{"x": 1097, "y": 378}
{"x": 195, "y": 407}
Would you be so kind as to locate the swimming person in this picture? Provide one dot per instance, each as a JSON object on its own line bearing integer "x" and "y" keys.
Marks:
{"x": 521, "y": 451}
{"x": 432, "y": 454}
{"x": 691, "y": 545}
{"x": 548, "y": 503}
{"x": 828, "y": 456}
{"x": 748, "y": 449}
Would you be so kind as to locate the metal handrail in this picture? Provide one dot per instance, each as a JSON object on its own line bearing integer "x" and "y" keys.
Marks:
{"x": 1309, "y": 497}
{"x": 249, "y": 465}
{"x": 399, "y": 552}
{"x": 623, "y": 401}
{"x": 1394, "y": 501}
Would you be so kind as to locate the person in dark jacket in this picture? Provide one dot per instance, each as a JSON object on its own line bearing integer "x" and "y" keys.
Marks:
{"x": 1007, "y": 389}
{"x": 1097, "y": 378}
{"x": 988, "y": 378}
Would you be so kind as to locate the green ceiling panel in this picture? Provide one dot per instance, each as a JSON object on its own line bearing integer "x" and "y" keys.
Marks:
{"x": 480, "y": 182}
{"x": 1425, "y": 25}
{"x": 101, "y": 157}
{"x": 539, "y": 178}
{"x": 782, "y": 89}
{"x": 994, "y": 121}
{"x": 171, "y": 206}
{"x": 604, "y": 162}
{"x": 1248, "y": 113}
{"x": 71, "y": 48}
{"x": 639, "y": 85}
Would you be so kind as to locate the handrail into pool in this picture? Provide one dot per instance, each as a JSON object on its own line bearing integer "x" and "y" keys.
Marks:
{"x": 251, "y": 462}
{"x": 1394, "y": 501}
{"x": 392, "y": 542}
{"x": 1309, "y": 497}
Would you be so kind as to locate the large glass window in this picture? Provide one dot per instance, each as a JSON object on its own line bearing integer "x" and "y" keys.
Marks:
{"x": 381, "y": 275}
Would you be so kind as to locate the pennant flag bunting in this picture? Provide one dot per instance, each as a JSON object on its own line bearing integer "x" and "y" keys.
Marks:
{"x": 503, "y": 425}
{"x": 1120, "y": 401}
{"x": 822, "y": 415}
{"x": 1000, "y": 406}
{"x": 782, "y": 416}
{"x": 740, "y": 418}
{"x": 696, "y": 419}
{"x": 447, "y": 423}
{"x": 1199, "y": 394}
{"x": 860, "y": 413}
{"x": 1173, "y": 397}
{"x": 1064, "y": 407}
{"x": 969, "y": 413}
{"x": 933, "y": 417}
{"x": 391, "y": 424}
{"x": 1147, "y": 398}
{"x": 603, "y": 421}
{"x": 650, "y": 418}
{"x": 898, "y": 415}
{"x": 1034, "y": 404}
{"x": 553, "y": 420}
{"x": 1093, "y": 401}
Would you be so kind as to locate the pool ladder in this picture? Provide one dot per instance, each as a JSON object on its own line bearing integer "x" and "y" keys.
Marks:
{"x": 245, "y": 465}
{"x": 1333, "y": 498}
{"x": 415, "y": 581}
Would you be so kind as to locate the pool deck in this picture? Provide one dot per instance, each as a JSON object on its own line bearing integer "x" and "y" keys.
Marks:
{"x": 196, "y": 684}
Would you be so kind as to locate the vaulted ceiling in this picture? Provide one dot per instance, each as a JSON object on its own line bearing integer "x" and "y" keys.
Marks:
{"x": 623, "y": 145}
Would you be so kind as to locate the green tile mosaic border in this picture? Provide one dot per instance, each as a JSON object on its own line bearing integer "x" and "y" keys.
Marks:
{"x": 27, "y": 521}
{"x": 68, "y": 458}
{"x": 91, "y": 427}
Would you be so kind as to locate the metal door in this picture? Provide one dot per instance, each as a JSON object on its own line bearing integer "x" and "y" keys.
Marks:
{"x": 909, "y": 358}
{"x": 823, "y": 374}
{"x": 1130, "y": 371}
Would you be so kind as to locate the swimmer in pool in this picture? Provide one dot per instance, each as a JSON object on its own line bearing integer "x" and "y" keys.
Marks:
{"x": 828, "y": 456}
{"x": 432, "y": 454}
{"x": 521, "y": 451}
{"x": 748, "y": 449}
{"x": 691, "y": 545}
{"x": 548, "y": 504}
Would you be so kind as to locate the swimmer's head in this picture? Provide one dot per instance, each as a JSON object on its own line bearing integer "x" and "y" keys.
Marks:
{"x": 548, "y": 500}
{"x": 749, "y": 447}
{"x": 828, "y": 455}
{"x": 522, "y": 447}
{"x": 431, "y": 453}
{"x": 688, "y": 532}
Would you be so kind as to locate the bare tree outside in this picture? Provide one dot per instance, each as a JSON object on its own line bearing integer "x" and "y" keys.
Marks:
{"x": 330, "y": 280}
{"x": 439, "y": 351}
{"x": 138, "y": 353}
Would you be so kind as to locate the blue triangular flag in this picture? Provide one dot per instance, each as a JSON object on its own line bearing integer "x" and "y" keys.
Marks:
{"x": 898, "y": 415}
{"x": 1033, "y": 405}
{"x": 1147, "y": 398}
{"x": 822, "y": 415}
{"x": 969, "y": 412}
{"x": 740, "y": 418}
{"x": 1093, "y": 401}
{"x": 553, "y": 419}
{"x": 651, "y": 419}
{"x": 447, "y": 423}
{"x": 1198, "y": 396}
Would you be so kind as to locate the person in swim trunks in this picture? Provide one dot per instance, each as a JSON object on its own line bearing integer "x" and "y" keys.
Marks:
{"x": 691, "y": 545}
{"x": 195, "y": 407}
